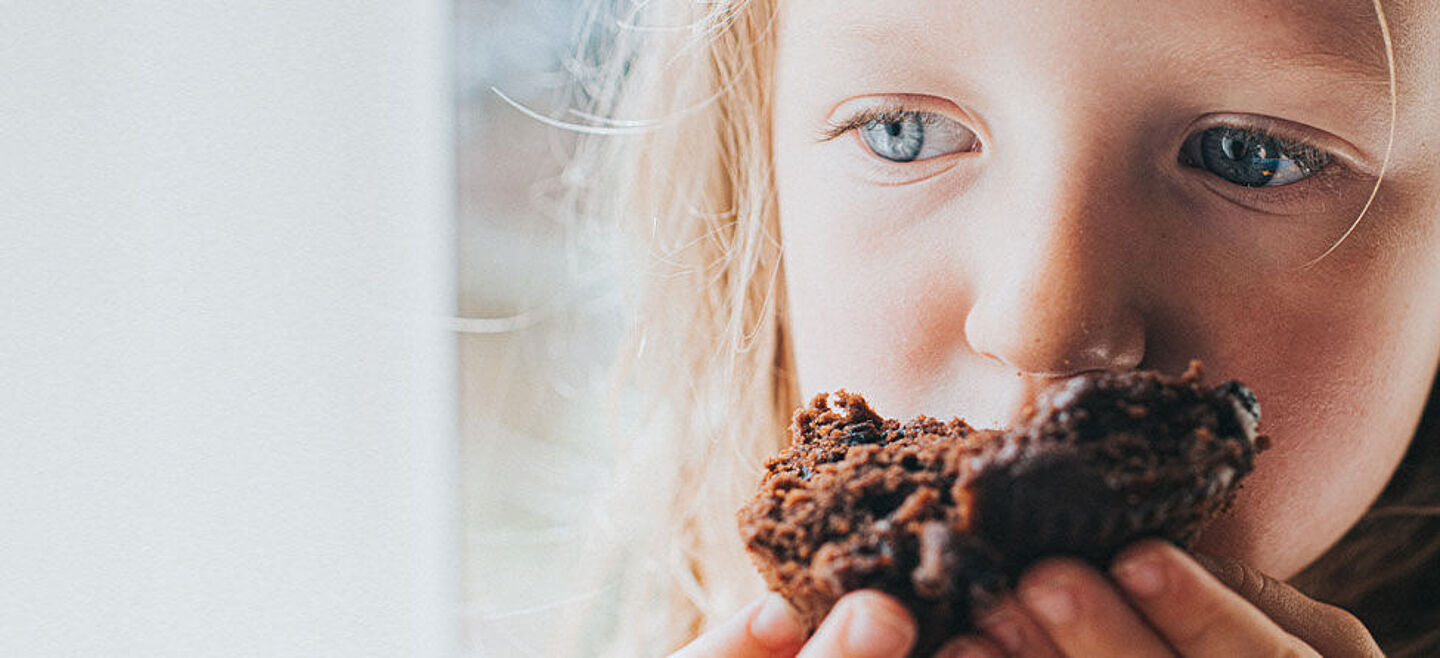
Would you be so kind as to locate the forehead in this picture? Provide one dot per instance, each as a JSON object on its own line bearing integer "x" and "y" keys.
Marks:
{"x": 1342, "y": 35}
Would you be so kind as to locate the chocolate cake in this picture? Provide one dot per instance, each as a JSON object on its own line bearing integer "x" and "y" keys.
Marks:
{"x": 945, "y": 517}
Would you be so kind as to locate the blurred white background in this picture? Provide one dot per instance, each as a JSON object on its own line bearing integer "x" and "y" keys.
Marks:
{"x": 298, "y": 356}
{"x": 542, "y": 300}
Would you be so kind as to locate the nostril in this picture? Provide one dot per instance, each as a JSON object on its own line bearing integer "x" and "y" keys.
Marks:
{"x": 996, "y": 359}
{"x": 1036, "y": 365}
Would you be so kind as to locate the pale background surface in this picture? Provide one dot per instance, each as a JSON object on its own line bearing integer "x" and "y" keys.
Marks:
{"x": 228, "y": 284}
{"x": 227, "y": 402}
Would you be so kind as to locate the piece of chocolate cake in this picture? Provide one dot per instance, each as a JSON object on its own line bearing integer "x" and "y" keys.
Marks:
{"x": 944, "y": 516}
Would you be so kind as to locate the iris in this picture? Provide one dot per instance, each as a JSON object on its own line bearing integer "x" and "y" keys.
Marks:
{"x": 900, "y": 141}
{"x": 1253, "y": 159}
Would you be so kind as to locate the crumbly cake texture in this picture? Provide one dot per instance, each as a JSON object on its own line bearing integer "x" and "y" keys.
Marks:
{"x": 945, "y": 517}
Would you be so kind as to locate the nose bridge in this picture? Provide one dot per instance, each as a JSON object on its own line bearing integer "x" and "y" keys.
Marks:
{"x": 1055, "y": 298}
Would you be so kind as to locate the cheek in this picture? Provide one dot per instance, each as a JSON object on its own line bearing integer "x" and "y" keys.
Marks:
{"x": 867, "y": 313}
{"x": 879, "y": 281}
{"x": 1343, "y": 372}
{"x": 1328, "y": 462}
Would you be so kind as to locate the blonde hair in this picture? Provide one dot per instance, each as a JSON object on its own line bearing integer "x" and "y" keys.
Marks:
{"x": 682, "y": 160}
{"x": 676, "y": 147}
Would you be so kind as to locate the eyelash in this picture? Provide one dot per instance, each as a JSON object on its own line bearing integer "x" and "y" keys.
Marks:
{"x": 1304, "y": 150}
{"x": 881, "y": 114}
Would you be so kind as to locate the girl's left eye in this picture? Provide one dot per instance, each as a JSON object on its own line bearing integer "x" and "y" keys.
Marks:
{"x": 1250, "y": 158}
{"x": 910, "y": 136}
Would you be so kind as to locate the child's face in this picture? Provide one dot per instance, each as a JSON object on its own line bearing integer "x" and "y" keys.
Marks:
{"x": 1017, "y": 192}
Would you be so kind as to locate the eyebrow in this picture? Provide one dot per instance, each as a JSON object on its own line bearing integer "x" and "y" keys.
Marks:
{"x": 1357, "y": 55}
{"x": 1360, "y": 67}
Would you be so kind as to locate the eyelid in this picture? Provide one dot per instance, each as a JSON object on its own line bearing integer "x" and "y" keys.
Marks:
{"x": 857, "y": 111}
{"x": 1294, "y": 199}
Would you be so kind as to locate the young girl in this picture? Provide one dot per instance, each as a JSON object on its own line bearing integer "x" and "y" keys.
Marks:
{"x": 950, "y": 205}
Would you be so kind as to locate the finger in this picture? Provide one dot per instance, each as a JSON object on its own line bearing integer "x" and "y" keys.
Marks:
{"x": 1010, "y": 626}
{"x": 1083, "y": 613}
{"x": 970, "y": 646}
{"x": 767, "y": 628}
{"x": 1330, "y": 630}
{"x": 864, "y": 624}
{"x": 1196, "y": 613}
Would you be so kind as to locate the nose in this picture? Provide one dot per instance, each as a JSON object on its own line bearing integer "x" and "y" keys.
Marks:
{"x": 1053, "y": 299}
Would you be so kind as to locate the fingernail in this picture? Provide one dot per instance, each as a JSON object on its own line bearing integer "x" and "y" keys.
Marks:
{"x": 876, "y": 630}
{"x": 964, "y": 648}
{"x": 1052, "y": 601}
{"x": 776, "y": 625}
{"x": 1005, "y": 630}
{"x": 1141, "y": 575}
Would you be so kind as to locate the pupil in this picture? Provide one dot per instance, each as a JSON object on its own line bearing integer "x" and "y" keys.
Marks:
{"x": 1234, "y": 148}
{"x": 893, "y": 128}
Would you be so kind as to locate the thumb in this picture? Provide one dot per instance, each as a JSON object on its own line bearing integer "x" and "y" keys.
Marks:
{"x": 1330, "y": 630}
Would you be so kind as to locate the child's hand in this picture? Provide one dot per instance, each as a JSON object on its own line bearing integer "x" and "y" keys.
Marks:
{"x": 863, "y": 624}
{"x": 1159, "y": 601}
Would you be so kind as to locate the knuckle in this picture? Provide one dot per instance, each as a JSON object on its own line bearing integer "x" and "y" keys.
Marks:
{"x": 1244, "y": 580}
{"x": 1252, "y": 584}
{"x": 1255, "y": 586}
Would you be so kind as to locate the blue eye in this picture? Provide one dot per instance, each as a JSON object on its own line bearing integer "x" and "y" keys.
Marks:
{"x": 911, "y": 136}
{"x": 1252, "y": 159}
{"x": 900, "y": 141}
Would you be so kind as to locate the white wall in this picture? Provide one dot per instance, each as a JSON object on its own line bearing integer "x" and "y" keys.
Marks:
{"x": 226, "y": 388}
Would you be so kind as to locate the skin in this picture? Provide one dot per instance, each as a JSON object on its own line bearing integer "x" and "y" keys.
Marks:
{"x": 1074, "y": 238}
